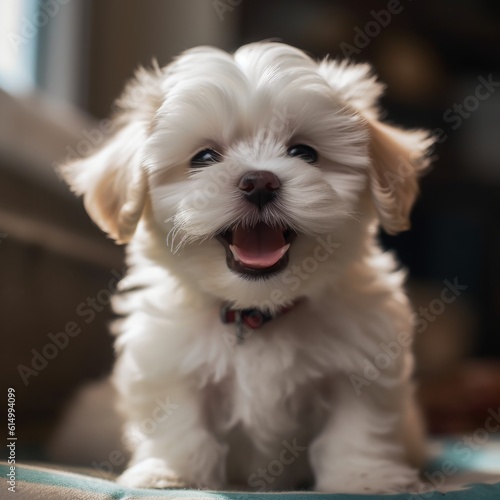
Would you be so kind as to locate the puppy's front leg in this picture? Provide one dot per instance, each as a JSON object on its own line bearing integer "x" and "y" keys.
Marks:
{"x": 362, "y": 448}
{"x": 173, "y": 446}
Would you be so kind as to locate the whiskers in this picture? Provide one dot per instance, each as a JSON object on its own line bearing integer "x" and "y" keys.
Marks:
{"x": 195, "y": 227}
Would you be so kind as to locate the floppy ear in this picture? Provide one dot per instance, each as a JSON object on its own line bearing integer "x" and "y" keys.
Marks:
{"x": 112, "y": 180}
{"x": 398, "y": 156}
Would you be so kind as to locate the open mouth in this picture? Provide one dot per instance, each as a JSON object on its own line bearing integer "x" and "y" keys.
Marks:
{"x": 258, "y": 251}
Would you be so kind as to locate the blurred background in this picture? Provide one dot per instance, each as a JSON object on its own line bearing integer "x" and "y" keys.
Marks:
{"x": 64, "y": 62}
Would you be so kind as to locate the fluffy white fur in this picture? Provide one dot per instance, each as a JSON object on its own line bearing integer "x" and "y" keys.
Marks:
{"x": 293, "y": 379}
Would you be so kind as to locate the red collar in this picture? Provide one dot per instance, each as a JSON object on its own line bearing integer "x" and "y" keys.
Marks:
{"x": 252, "y": 318}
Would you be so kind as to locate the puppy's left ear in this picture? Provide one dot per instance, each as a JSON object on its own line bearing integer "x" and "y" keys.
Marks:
{"x": 112, "y": 180}
{"x": 398, "y": 156}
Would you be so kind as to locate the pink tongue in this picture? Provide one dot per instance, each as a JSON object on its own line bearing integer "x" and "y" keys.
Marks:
{"x": 259, "y": 247}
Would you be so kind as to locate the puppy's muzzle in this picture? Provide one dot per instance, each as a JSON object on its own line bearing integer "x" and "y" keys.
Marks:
{"x": 259, "y": 187}
{"x": 256, "y": 248}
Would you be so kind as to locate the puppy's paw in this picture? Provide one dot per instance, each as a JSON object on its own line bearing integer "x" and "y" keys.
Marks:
{"x": 151, "y": 473}
{"x": 373, "y": 481}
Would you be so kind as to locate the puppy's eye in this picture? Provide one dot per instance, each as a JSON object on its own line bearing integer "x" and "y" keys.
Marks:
{"x": 306, "y": 153}
{"x": 205, "y": 157}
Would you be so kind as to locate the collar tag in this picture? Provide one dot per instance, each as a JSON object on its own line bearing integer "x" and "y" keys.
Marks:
{"x": 245, "y": 319}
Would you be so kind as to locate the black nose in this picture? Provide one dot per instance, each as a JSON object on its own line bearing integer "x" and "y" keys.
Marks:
{"x": 260, "y": 186}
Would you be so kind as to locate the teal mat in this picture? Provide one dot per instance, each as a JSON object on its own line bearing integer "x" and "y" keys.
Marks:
{"x": 55, "y": 485}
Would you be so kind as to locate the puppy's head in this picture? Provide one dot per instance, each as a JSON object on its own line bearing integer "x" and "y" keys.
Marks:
{"x": 262, "y": 172}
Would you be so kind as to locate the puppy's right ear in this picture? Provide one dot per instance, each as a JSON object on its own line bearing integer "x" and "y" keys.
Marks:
{"x": 112, "y": 180}
{"x": 398, "y": 157}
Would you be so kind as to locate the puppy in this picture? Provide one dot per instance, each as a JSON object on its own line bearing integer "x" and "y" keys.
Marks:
{"x": 249, "y": 189}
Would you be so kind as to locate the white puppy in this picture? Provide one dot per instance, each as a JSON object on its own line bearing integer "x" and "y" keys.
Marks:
{"x": 258, "y": 303}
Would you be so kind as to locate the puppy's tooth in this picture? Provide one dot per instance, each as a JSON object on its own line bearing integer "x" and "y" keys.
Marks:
{"x": 235, "y": 254}
{"x": 285, "y": 249}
